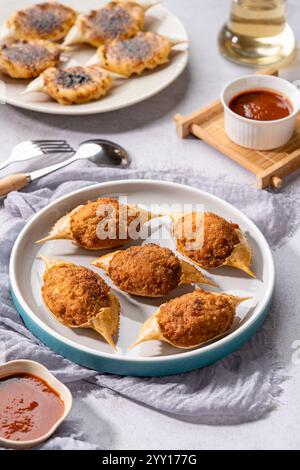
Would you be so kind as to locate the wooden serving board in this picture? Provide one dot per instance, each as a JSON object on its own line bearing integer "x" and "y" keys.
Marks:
{"x": 269, "y": 166}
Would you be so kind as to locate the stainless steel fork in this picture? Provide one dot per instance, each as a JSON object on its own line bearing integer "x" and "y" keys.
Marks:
{"x": 36, "y": 148}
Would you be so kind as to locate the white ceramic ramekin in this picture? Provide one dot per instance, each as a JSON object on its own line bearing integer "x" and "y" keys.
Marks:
{"x": 260, "y": 135}
{"x": 37, "y": 369}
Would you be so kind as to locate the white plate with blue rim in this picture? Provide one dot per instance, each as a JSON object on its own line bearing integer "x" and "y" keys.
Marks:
{"x": 126, "y": 92}
{"x": 153, "y": 358}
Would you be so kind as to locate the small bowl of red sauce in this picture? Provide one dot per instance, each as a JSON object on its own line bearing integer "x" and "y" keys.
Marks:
{"x": 260, "y": 111}
{"x": 33, "y": 403}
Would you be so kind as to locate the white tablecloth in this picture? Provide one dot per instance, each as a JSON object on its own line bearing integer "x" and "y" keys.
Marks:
{"x": 148, "y": 132}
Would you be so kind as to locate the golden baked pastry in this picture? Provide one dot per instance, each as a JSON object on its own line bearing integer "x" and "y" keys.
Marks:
{"x": 133, "y": 56}
{"x": 115, "y": 20}
{"x": 149, "y": 270}
{"x": 191, "y": 320}
{"x": 79, "y": 298}
{"x": 50, "y": 20}
{"x": 28, "y": 58}
{"x": 72, "y": 85}
{"x": 224, "y": 244}
{"x": 101, "y": 224}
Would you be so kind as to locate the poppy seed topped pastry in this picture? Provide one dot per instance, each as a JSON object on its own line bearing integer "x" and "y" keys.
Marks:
{"x": 133, "y": 56}
{"x": 192, "y": 319}
{"x": 119, "y": 19}
{"x": 28, "y": 58}
{"x": 101, "y": 224}
{"x": 50, "y": 20}
{"x": 149, "y": 270}
{"x": 72, "y": 85}
{"x": 78, "y": 297}
{"x": 223, "y": 242}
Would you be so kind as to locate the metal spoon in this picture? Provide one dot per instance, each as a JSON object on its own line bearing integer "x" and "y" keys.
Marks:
{"x": 101, "y": 152}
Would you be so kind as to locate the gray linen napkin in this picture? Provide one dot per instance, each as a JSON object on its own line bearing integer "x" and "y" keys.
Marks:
{"x": 242, "y": 387}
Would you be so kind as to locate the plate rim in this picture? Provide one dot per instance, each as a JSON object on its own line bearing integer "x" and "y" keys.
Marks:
{"x": 63, "y": 110}
{"x": 231, "y": 337}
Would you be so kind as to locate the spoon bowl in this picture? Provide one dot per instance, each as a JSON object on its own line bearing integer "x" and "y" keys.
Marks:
{"x": 103, "y": 153}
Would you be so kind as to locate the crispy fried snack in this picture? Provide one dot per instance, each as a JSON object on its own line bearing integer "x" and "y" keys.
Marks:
{"x": 28, "y": 58}
{"x": 224, "y": 243}
{"x": 100, "y": 224}
{"x": 149, "y": 270}
{"x": 115, "y": 20}
{"x": 135, "y": 55}
{"x": 190, "y": 320}
{"x": 72, "y": 85}
{"x": 50, "y": 21}
{"x": 79, "y": 298}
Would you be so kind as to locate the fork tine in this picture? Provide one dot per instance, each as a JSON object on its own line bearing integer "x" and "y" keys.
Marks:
{"x": 53, "y": 142}
{"x": 54, "y": 146}
{"x": 56, "y": 149}
{"x": 45, "y": 141}
{"x": 59, "y": 151}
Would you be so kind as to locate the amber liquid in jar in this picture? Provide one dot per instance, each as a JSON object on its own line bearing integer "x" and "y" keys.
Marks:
{"x": 257, "y": 33}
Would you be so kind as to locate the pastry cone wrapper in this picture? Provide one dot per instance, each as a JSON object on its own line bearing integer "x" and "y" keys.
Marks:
{"x": 61, "y": 230}
{"x": 35, "y": 86}
{"x": 192, "y": 275}
{"x": 104, "y": 261}
{"x": 106, "y": 322}
{"x": 241, "y": 256}
{"x": 176, "y": 216}
{"x": 6, "y": 32}
{"x": 150, "y": 330}
{"x": 75, "y": 35}
{"x": 235, "y": 299}
{"x": 144, "y": 213}
{"x": 147, "y": 5}
{"x": 51, "y": 263}
{"x": 177, "y": 41}
{"x": 143, "y": 4}
{"x": 96, "y": 59}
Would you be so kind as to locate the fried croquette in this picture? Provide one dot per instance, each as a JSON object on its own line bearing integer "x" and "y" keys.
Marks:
{"x": 191, "y": 320}
{"x": 145, "y": 270}
{"x": 195, "y": 318}
{"x": 149, "y": 270}
{"x": 223, "y": 244}
{"x": 78, "y": 297}
{"x": 101, "y": 224}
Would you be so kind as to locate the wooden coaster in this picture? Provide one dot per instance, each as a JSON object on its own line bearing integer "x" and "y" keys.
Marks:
{"x": 269, "y": 166}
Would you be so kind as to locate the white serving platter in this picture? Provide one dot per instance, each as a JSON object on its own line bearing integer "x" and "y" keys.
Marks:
{"x": 125, "y": 92}
{"x": 153, "y": 358}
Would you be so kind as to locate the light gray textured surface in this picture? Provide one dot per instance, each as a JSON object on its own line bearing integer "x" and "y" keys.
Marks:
{"x": 147, "y": 131}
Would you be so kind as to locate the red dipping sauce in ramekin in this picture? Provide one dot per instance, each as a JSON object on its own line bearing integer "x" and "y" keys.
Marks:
{"x": 29, "y": 407}
{"x": 261, "y": 105}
